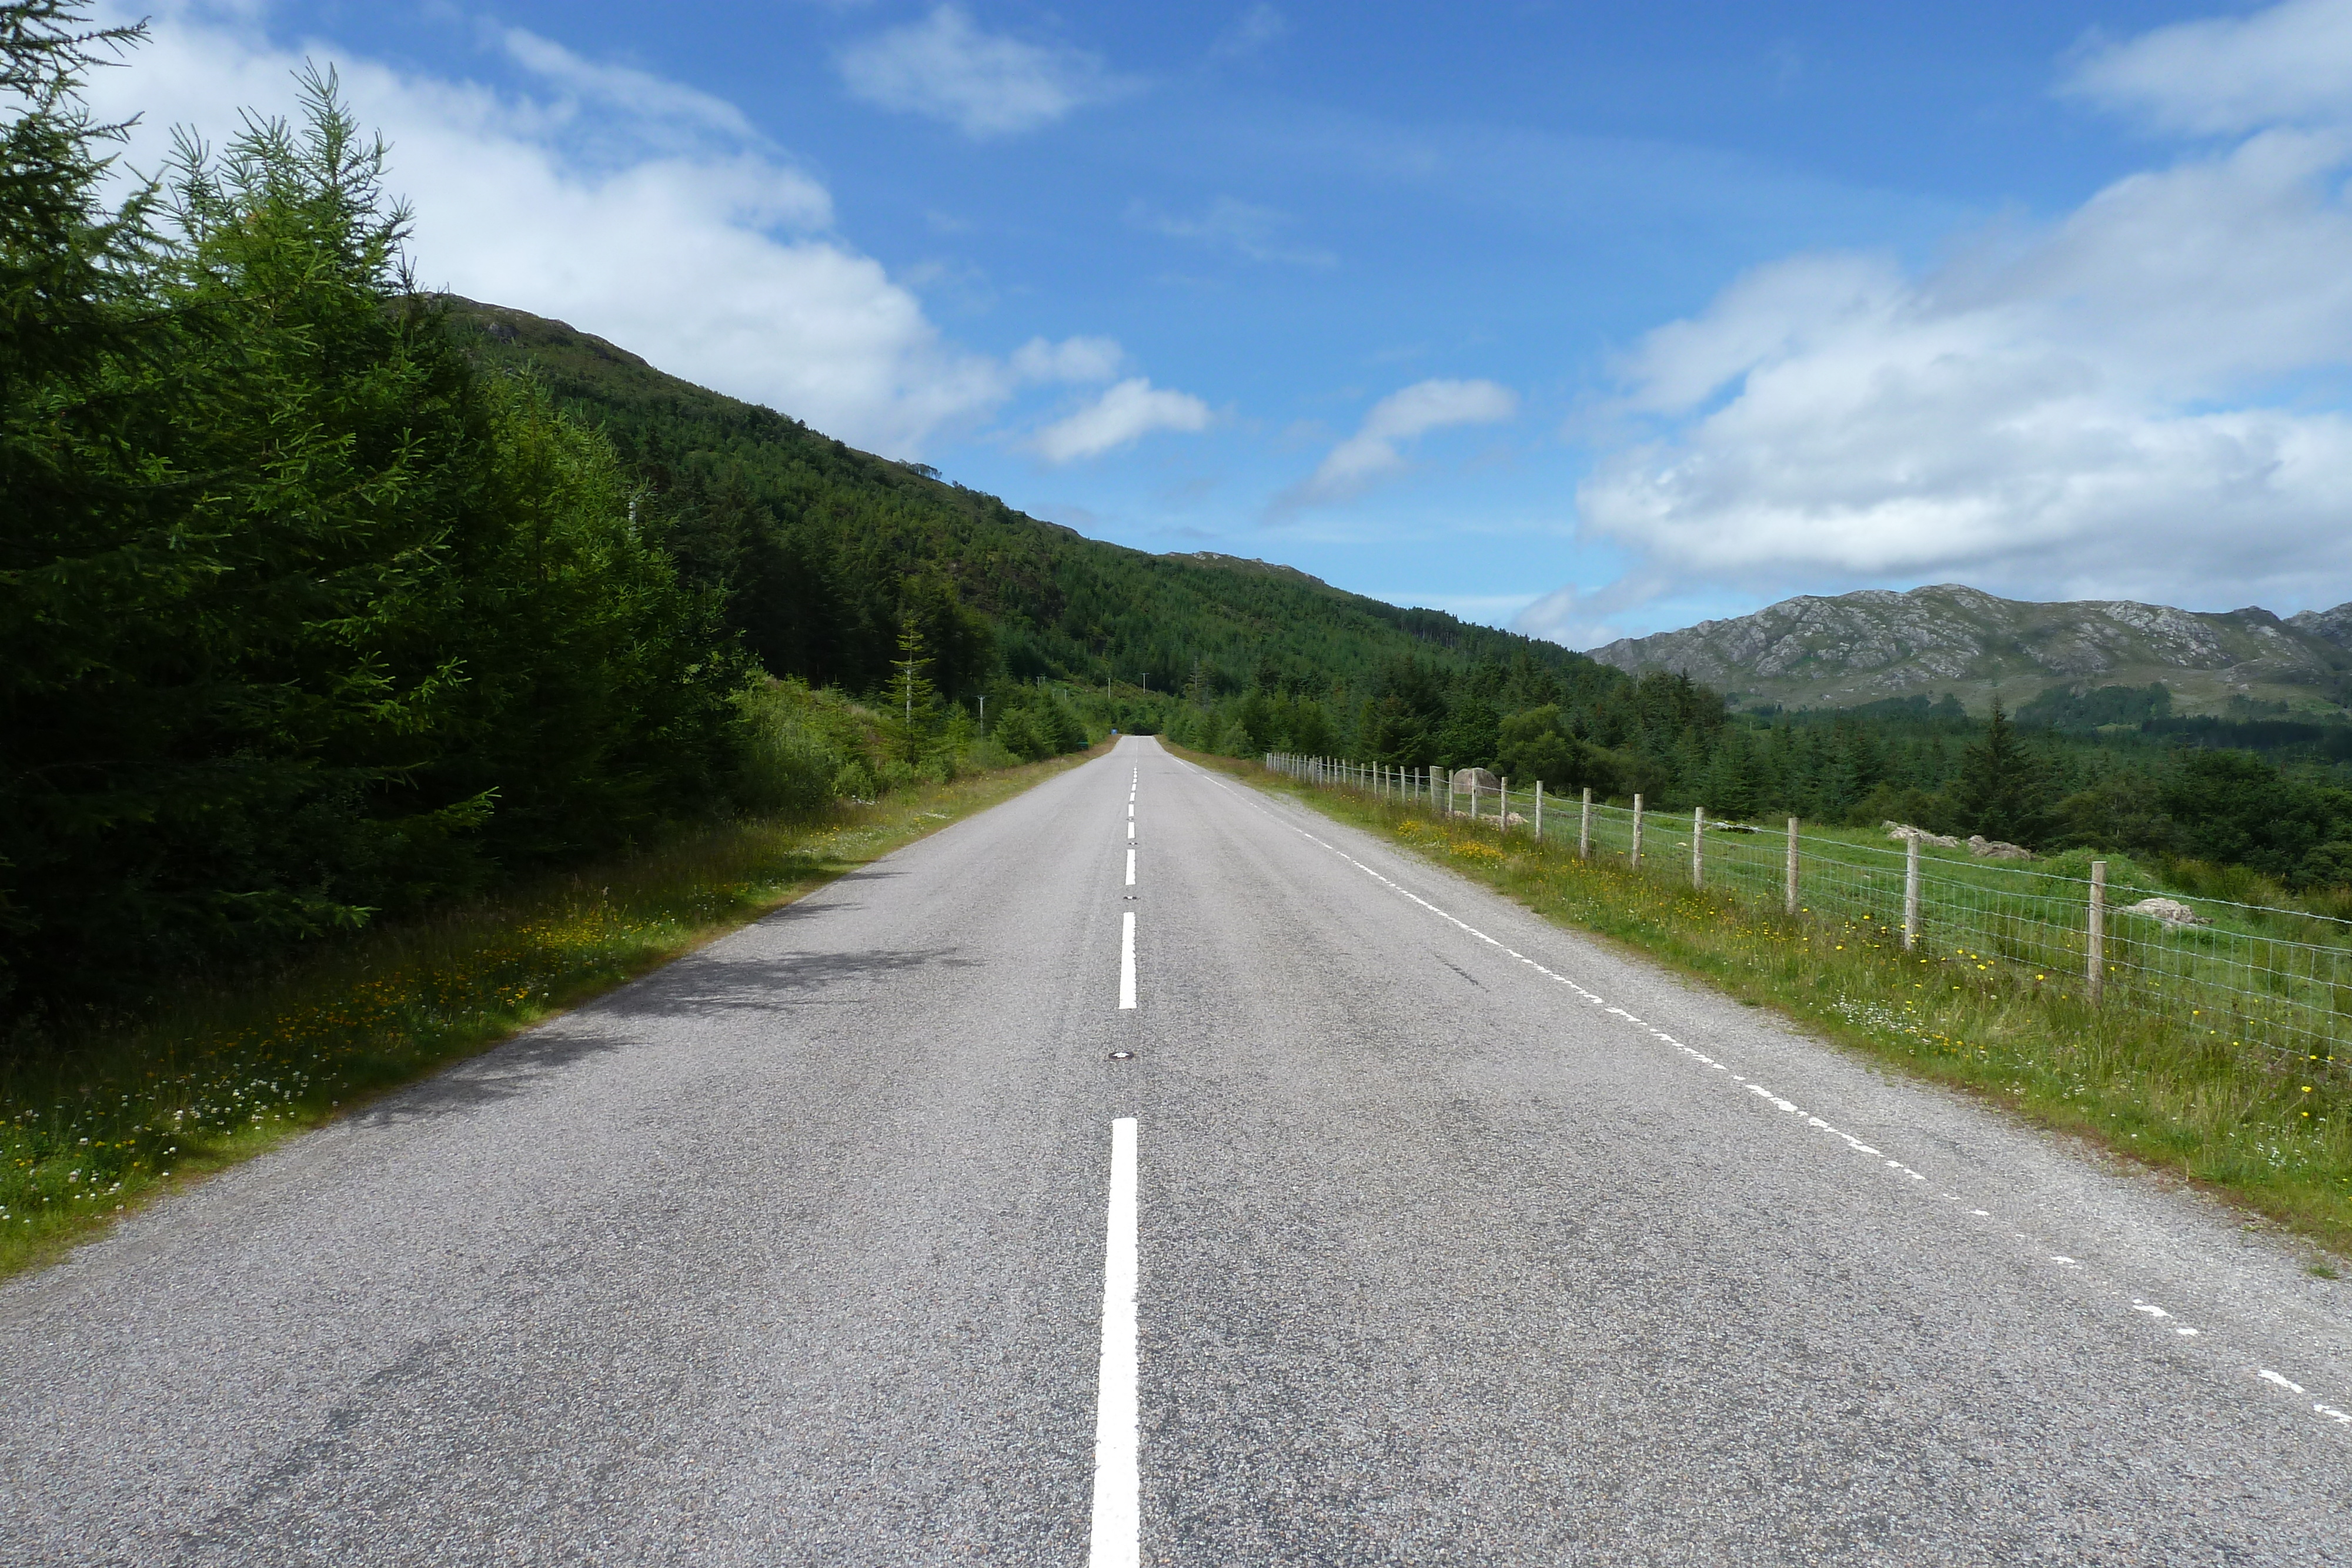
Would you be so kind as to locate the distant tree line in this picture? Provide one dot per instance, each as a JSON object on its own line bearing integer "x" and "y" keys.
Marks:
{"x": 2104, "y": 768}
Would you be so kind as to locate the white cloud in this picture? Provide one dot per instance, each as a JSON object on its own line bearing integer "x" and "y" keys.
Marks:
{"x": 2289, "y": 65}
{"x": 1372, "y": 453}
{"x": 1255, "y": 232}
{"x": 2142, "y": 399}
{"x": 1573, "y": 618}
{"x": 1252, "y": 33}
{"x": 1078, "y": 359}
{"x": 1125, "y": 412}
{"x": 983, "y": 84}
{"x": 639, "y": 94}
{"x": 658, "y": 219}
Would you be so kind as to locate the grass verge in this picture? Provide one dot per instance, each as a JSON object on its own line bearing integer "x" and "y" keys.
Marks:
{"x": 93, "y": 1128}
{"x": 2251, "y": 1129}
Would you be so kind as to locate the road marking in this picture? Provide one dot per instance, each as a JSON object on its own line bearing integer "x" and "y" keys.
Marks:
{"x": 1130, "y": 830}
{"x": 1126, "y": 960}
{"x": 1118, "y": 1537}
{"x": 1130, "y": 811}
{"x": 1130, "y": 868}
{"x": 1599, "y": 1001}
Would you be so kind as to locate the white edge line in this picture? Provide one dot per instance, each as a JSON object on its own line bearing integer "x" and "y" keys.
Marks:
{"x": 1463, "y": 926}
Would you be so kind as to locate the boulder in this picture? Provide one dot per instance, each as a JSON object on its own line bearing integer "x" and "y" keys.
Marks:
{"x": 1465, "y": 777}
{"x": 1986, "y": 849}
{"x": 2170, "y": 912}
{"x": 1902, "y": 830}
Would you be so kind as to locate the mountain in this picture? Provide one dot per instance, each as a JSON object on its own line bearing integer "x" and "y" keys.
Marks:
{"x": 1874, "y": 644}
{"x": 821, "y": 550}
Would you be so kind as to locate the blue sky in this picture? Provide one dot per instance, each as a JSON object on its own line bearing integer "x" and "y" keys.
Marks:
{"x": 1591, "y": 320}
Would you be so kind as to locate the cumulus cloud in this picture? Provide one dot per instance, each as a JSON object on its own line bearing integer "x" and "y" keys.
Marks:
{"x": 635, "y": 208}
{"x": 2291, "y": 64}
{"x": 1124, "y": 413}
{"x": 2131, "y": 401}
{"x": 1374, "y": 453}
{"x": 1076, "y": 359}
{"x": 983, "y": 84}
{"x": 1576, "y": 619}
{"x": 647, "y": 98}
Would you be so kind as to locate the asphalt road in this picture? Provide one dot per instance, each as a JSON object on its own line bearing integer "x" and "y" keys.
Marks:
{"x": 1458, "y": 1238}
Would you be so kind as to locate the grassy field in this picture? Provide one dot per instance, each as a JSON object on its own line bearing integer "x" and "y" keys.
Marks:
{"x": 91, "y": 1129}
{"x": 2265, "y": 1129}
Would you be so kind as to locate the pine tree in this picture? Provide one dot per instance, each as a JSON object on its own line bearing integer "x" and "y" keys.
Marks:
{"x": 913, "y": 699}
{"x": 2003, "y": 785}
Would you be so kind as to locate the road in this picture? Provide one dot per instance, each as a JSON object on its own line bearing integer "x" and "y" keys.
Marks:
{"x": 1456, "y": 1238}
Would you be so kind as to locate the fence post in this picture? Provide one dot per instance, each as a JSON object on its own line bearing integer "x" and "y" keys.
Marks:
{"x": 1910, "y": 893}
{"x": 1699, "y": 837}
{"x": 1584, "y": 827}
{"x": 2096, "y": 971}
{"x": 1503, "y": 807}
{"x": 1791, "y": 879}
{"x": 1449, "y": 792}
{"x": 1538, "y": 810}
{"x": 1636, "y": 859}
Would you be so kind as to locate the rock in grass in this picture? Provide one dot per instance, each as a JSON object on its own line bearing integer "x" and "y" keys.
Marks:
{"x": 1900, "y": 831}
{"x": 2171, "y": 912}
{"x": 1986, "y": 849}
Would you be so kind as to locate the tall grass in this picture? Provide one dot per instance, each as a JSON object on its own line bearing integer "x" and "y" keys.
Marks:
{"x": 93, "y": 1124}
{"x": 2165, "y": 1092}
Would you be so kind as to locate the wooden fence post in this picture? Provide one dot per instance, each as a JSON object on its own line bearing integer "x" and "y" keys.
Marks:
{"x": 2095, "y": 972}
{"x": 1911, "y": 893}
{"x": 1791, "y": 892}
{"x": 1584, "y": 827}
{"x": 1634, "y": 858}
{"x": 1699, "y": 837}
{"x": 1538, "y": 810}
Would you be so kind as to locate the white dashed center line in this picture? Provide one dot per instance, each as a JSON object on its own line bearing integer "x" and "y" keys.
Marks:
{"x": 1117, "y": 1532}
{"x": 1126, "y": 960}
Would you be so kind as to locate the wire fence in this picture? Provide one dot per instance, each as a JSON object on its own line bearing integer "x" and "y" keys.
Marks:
{"x": 2248, "y": 978}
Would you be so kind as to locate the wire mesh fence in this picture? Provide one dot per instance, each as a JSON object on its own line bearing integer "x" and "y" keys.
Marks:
{"x": 2245, "y": 978}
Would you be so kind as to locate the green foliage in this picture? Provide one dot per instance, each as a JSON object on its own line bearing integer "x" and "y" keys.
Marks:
{"x": 819, "y": 552}
{"x": 2002, "y": 785}
{"x": 2088, "y": 708}
{"x": 303, "y": 616}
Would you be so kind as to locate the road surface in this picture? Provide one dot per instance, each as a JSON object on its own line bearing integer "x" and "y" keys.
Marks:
{"x": 1407, "y": 1229}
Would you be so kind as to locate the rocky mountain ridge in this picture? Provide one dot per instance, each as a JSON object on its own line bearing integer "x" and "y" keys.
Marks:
{"x": 1876, "y": 644}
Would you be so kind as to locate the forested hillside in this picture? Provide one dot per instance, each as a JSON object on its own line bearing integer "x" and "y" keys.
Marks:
{"x": 819, "y": 551}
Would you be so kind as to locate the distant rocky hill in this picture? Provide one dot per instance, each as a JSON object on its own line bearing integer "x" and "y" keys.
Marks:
{"x": 1866, "y": 646}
